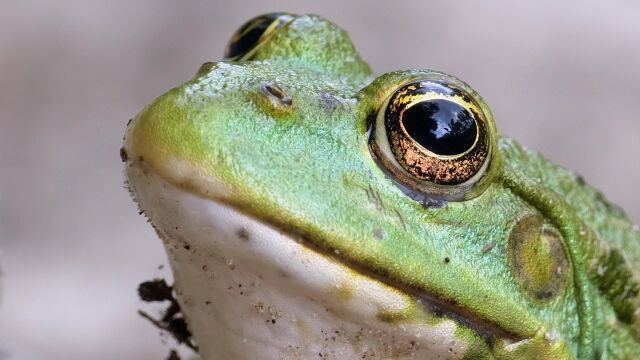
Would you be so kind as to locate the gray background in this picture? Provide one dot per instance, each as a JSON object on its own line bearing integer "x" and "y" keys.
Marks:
{"x": 562, "y": 77}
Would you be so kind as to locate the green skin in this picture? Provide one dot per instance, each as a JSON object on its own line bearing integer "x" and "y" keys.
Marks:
{"x": 310, "y": 163}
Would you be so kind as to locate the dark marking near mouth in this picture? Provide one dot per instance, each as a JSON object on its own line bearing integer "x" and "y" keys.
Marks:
{"x": 123, "y": 154}
{"x": 243, "y": 234}
{"x": 449, "y": 308}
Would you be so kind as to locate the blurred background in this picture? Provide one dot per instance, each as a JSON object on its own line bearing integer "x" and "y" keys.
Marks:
{"x": 562, "y": 77}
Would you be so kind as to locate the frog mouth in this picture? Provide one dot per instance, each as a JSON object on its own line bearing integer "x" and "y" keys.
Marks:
{"x": 196, "y": 228}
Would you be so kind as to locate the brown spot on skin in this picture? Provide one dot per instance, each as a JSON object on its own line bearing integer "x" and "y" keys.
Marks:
{"x": 259, "y": 307}
{"x": 243, "y": 234}
{"x": 343, "y": 292}
{"x": 385, "y": 317}
{"x": 390, "y": 316}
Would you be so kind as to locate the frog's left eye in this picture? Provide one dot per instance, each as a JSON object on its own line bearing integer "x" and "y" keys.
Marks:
{"x": 253, "y": 33}
{"x": 435, "y": 138}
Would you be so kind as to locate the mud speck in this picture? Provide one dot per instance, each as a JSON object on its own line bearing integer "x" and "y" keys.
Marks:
{"x": 173, "y": 355}
{"x": 171, "y": 320}
{"x": 123, "y": 154}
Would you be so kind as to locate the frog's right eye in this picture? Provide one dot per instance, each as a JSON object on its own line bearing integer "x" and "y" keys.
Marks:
{"x": 253, "y": 33}
{"x": 436, "y": 138}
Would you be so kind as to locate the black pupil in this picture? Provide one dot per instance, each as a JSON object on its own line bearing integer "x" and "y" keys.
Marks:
{"x": 441, "y": 126}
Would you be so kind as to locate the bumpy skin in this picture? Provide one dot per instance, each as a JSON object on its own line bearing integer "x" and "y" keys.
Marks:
{"x": 307, "y": 170}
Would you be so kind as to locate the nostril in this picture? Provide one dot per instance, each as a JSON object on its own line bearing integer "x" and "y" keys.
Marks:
{"x": 275, "y": 92}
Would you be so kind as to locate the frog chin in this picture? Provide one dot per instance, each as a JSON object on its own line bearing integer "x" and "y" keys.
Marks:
{"x": 247, "y": 288}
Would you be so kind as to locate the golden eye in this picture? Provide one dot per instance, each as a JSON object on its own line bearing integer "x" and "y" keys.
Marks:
{"x": 253, "y": 33}
{"x": 434, "y": 136}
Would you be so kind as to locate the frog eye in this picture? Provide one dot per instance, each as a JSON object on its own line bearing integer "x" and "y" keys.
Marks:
{"x": 254, "y": 32}
{"x": 433, "y": 136}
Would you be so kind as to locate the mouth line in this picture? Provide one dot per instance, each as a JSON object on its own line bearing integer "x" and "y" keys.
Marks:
{"x": 485, "y": 329}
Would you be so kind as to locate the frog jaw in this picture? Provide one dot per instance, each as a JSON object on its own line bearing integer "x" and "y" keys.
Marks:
{"x": 246, "y": 288}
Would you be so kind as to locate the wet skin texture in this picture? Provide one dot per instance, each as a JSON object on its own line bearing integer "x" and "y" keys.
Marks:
{"x": 402, "y": 177}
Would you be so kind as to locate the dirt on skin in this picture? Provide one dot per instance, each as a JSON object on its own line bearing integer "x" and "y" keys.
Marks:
{"x": 171, "y": 319}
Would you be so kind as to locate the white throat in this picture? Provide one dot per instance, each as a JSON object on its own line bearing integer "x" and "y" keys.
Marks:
{"x": 249, "y": 291}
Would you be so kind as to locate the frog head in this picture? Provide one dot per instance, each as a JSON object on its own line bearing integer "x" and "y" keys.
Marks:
{"x": 309, "y": 207}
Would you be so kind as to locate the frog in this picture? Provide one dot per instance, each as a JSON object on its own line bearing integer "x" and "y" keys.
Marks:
{"x": 313, "y": 210}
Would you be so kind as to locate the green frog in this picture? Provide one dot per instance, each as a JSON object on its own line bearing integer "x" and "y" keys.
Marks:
{"x": 313, "y": 210}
